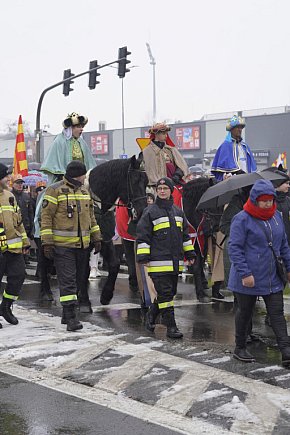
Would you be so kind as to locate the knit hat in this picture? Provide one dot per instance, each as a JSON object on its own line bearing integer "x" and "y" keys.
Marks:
{"x": 165, "y": 181}
{"x": 75, "y": 169}
{"x": 3, "y": 171}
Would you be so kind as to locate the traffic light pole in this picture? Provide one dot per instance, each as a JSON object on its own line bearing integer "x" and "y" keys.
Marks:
{"x": 38, "y": 131}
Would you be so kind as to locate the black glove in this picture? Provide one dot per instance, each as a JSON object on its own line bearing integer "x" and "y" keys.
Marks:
{"x": 97, "y": 246}
{"x": 48, "y": 251}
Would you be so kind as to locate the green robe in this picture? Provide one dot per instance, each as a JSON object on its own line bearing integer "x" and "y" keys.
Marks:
{"x": 60, "y": 155}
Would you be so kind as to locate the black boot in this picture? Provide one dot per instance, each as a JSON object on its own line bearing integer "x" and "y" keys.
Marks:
{"x": 286, "y": 357}
{"x": 202, "y": 297}
{"x": 5, "y": 311}
{"x": 216, "y": 294}
{"x": 243, "y": 355}
{"x": 151, "y": 316}
{"x": 69, "y": 318}
{"x": 168, "y": 319}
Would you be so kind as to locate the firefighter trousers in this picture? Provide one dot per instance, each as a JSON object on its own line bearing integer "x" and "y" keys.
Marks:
{"x": 13, "y": 266}
{"x": 72, "y": 268}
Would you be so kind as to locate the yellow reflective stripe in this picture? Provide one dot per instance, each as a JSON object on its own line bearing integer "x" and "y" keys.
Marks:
{"x": 188, "y": 248}
{"x": 95, "y": 229}
{"x": 50, "y": 199}
{"x": 46, "y": 232}
{"x": 71, "y": 196}
{"x": 68, "y": 298}
{"x": 66, "y": 239}
{"x": 7, "y": 208}
{"x": 180, "y": 268}
{"x": 179, "y": 224}
{"x": 65, "y": 233}
{"x": 86, "y": 239}
{"x": 143, "y": 251}
{"x": 160, "y": 226}
{"x": 8, "y": 296}
{"x": 166, "y": 305}
{"x": 160, "y": 269}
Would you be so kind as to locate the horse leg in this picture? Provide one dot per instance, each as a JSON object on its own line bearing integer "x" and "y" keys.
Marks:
{"x": 129, "y": 249}
{"x": 109, "y": 254}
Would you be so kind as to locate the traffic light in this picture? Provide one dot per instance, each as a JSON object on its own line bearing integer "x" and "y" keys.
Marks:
{"x": 122, "y": 59}
{"x": 93, "y": 75}
{"x": 66, "y": 86}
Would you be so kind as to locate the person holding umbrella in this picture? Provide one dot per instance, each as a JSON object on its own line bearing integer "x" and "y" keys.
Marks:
{"x": 257, "y": 242}
{"x": 233, "y": 155}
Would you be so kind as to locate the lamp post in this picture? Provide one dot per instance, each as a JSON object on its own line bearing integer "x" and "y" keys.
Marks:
{"x": 123, "y": 110}
{"x": 153, "y": 63}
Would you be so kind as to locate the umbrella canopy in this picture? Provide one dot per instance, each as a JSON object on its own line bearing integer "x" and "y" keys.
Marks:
{"x": 222, "y": 192}
{"x": 34, "y": 177}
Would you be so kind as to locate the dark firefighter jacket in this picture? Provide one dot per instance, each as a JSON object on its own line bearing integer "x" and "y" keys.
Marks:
{"x": 67, "y": 216}
{"x": 162, "y": 238}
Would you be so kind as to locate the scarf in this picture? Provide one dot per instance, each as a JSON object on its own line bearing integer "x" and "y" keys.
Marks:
{"x": 260, "y": 213}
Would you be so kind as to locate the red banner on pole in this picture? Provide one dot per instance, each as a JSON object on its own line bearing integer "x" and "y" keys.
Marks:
{"x": 20, "y": 165}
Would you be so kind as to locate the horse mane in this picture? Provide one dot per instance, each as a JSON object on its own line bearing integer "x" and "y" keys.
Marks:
{"x": 109, "y": 180}
{"x": 192, "y": 192}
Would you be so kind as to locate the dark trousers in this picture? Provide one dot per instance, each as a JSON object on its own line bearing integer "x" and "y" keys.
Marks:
{"x": 44, "y": 267}
{"x": 199, "y": 277}
{"x": 13, "y": 266}
{"x": 72, "y": 268}
{"x": 275, "y": 309}
{"x": 166, "y": 288}
{"x": 129, "y": 249}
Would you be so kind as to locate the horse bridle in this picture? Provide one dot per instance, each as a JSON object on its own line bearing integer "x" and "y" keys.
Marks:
{"x": 131, "y": 199}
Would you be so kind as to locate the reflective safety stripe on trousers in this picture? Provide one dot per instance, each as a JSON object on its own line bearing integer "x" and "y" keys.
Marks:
{"x": 8, "y": 296}
{"x": 68, "y": 298}
{"x": 163, "y": 305}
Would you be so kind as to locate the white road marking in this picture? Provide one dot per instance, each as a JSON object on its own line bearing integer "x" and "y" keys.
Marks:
{"x": 43, "y": 337}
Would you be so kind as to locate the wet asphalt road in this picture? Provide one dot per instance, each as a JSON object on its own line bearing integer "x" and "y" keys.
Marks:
{"x": 27, "y": 408}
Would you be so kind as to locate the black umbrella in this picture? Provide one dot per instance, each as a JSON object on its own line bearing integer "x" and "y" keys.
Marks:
{"x": 222, "y": 192}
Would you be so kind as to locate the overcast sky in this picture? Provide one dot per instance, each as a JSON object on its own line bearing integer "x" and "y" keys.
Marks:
{"x": 211, "y": 56}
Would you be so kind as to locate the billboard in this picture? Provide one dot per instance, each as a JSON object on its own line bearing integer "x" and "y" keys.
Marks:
{"x": 99, "y": 144}
{"x": 188, "y": 138}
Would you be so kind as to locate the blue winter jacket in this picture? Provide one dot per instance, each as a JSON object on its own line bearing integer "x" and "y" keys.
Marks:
{"x": 249, "y": 251}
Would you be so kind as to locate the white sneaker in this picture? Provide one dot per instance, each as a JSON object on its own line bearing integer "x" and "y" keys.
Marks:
{"x": 94, "y": 273}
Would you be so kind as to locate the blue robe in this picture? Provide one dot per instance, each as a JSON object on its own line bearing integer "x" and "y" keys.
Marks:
{"x": 226, "y": 159}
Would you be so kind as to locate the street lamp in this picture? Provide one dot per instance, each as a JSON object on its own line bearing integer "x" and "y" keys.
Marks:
{"x": 153, "y": 63}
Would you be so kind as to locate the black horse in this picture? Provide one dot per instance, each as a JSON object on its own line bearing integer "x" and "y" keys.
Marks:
{"x": 208, "y": 222}
{"x": 123, "y": 179}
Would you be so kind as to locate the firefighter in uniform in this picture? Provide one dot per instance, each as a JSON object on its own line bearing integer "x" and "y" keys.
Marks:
{"x": 162, "y": 244}
{"x": 68, "y": 226}
{"x": 14, "y": 242}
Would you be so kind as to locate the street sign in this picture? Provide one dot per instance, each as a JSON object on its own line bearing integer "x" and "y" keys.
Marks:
{"x": 123, "y": 156}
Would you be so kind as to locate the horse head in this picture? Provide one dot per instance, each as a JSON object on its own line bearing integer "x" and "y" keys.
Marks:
{"x": 120, "y": 178}
{"x": 136, "y": 186}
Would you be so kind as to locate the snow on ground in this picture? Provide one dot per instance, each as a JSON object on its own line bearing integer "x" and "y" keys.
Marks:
{"x": 237, "y": 411}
